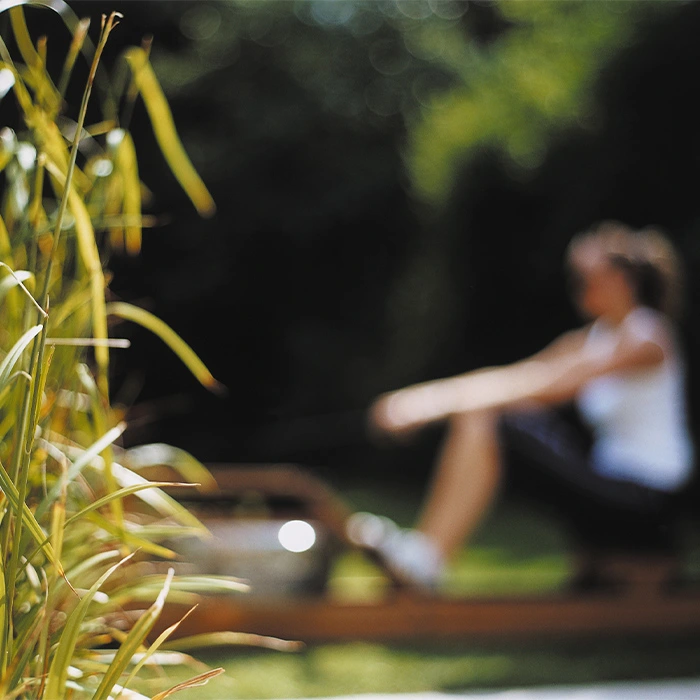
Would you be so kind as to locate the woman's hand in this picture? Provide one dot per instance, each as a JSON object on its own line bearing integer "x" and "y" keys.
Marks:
{"x": 402, "y": 412}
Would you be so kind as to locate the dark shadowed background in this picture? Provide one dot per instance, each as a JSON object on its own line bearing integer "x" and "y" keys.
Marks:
{"x": 396, "y": 182}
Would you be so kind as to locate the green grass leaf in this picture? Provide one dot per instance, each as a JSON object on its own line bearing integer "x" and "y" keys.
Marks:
{"x": 79, "y": 464}
{"x": 160, "y": 454}
{"x": 144, "y": 318}
{"x": 165, "y": 133}
{"x": 195, "y": 682}
{"x": 58, "y": 673}
{"x": 10, "y": 360}
{"x": 14, "y": 280}
{"x": 28, "y": 519}
{"x": 133, "y": 642}
{"x": 121, "y": 493}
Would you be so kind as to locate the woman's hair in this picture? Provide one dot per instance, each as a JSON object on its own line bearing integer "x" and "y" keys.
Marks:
{"x": 646, "y": 256}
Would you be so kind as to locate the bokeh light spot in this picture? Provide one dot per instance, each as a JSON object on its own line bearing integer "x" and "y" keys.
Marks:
{"x": 388, "y": 57}
{"x": 449, "y": 9}
{"x": 200, "y": 22}
{"x": 332, "y": 12}
{"x": 297, "y": 536}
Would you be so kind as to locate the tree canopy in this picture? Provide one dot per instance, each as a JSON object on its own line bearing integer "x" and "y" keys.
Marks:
{"x": 395, "y": 183}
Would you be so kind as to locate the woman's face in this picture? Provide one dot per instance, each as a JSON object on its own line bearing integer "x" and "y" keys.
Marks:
{"x": 599, "y": 287}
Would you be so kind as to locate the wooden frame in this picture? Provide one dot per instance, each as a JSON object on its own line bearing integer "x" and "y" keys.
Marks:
{"x": 643, "y": 607}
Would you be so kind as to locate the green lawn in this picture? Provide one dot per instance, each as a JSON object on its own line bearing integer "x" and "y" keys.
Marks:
{"x": 516, "y": 551}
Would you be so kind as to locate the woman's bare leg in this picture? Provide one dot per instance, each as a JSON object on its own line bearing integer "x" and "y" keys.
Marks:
{"x": 465, "y": 481}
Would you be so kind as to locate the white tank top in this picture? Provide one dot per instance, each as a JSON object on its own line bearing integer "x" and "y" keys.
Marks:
{"x": 639, "y": 417}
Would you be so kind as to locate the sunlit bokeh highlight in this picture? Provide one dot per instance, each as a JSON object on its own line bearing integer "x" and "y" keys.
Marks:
{"x": 297, "y": 536}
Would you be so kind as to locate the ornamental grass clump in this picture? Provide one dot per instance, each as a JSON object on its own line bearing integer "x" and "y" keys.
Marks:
{"x": 81, "y": 531}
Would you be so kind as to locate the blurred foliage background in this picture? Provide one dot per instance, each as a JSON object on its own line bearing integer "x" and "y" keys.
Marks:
{"x": 396, "y": 181}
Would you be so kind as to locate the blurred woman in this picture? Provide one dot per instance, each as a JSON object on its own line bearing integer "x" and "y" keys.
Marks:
{"x": 622, "y": 371}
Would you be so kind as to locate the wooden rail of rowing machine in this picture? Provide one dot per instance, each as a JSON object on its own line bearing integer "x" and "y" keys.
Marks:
{"x": 643, "y": 608}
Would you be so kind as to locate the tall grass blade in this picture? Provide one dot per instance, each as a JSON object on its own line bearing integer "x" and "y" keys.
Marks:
{"x": 4, "y": 617}
{"x": 121, "y": 493}
{"x": 85, "y": 458}
{"x": 23, "y": 648}
{"x": 10, "y": 360}
{"x": 158, "y": 500}
{"x": 29, "y": 521}
{"x": 153, "y": 648}
{"x": 91, "y": 259}
{"x": 132, "y": 540}
{"x": 58, "y": 673}
{"x": 44, "y": 87}
{"x": 79, "y": 36}
{"x": 5, "y": 247}
{"x": 129, "y": 312}
{"x": 165, "y": 133}
{"x": 127, "y": 166}
{"x": 211, "y": 639}
{"x": 14, "y": 279}
{"x": 148, "y": 585}
{"x": 160, "y": 454}
{"x": 133, "y": 642}
{"x": 195, "y": 682}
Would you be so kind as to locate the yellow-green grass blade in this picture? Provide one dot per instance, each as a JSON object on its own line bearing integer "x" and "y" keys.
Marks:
{"x": 53, "y": 144}
{"x": 5, "y": 246}
{"x": 167, "y": 530}
{"x": 36, "y": 64}
{"x": 218, "y": 639}
{"x": 153, "y": 648}
{"x": 59, "y": 508}
{"x": 73, "y": 24}
{"x": 121, "y": 493}
{"x": 127, "y": 167}
{"x": 58, "y": 672}
{"x": 69, "y": 19}
{"x": 14, "y": 279}
{"x": 90, "y": 563}
{"x": 21, "y": 34}
{"x": 21, "y": 93}
{"x": 195, "y": 682}
{"x": 8, "y": 144}
{"x": 157, "y": 499}
{"x": 144, "y": 318}
{"x": 58, "y": 524}
{"x": 129, "y": 538}
{"x": 28, "y": 519}
{"x": 79, "y": 464}
{"x": 133, "y": 642}
{"x": 86, "y": 567}
{"x": 10, "y": 360}
{"x": 69, "y": 305}
{"x": 79, "y": 36}
{"x": 90, "y": 256}
{"x": 28, "y": 631}
{"x": 197, "y": 584}
{"x": 165, "y": 133}
{"x": 160, "y": 454}
{"x": 4, "y": 617}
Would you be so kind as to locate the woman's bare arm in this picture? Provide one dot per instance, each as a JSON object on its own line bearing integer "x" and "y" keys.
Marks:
{"x": 551, "y": 376}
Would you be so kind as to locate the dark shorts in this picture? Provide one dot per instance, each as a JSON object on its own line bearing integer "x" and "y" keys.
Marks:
{"x": 546, "y": 457}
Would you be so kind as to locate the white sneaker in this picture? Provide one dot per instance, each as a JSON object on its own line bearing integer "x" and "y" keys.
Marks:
{"x": 410, "y": 556}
